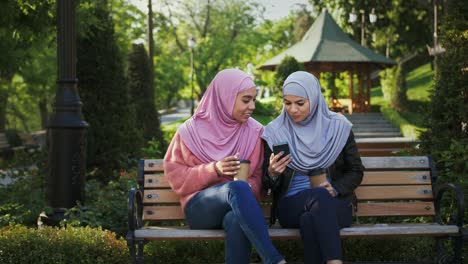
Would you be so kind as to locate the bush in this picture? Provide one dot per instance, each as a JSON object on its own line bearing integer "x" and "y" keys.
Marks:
{"x": 106, "y": 205}
{"x": 142, "y": 95}
{"x": 23, "y": 198}
{"x": 388, "y": 80}
{"x": 287, "y": 66}
{"x": 112, "y": 135}
{"x": 447, "y": 136}
{"x": 20, "y": 244}
{"x": 267, "y": 111}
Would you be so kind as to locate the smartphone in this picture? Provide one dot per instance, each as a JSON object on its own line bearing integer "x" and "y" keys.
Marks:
{"x": 277, "y": 148}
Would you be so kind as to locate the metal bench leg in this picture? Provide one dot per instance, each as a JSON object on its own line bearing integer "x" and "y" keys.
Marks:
{"x": 140, "y": 247}
{"x": 450, "y": 250}
{"x": 131, "y": 248}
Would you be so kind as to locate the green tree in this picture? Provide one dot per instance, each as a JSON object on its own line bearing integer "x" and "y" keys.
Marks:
{"x": 40, "y": 74}
{"x": 142, "y": 95}
{"x": 129, "y": 24}
{"x": 447, "y": 135}
{"x": 103, "y": 86}
{"x": 22, "y": 25}
{"x": 287, "y": 66}
{"x": 169, "y": 77}
{"x": 302, "y": 23}
{"x": 224, "y": 32}
{"x": 401, "y": 31}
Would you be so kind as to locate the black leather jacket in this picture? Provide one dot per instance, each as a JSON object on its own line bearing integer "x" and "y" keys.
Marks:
{"x": 345, "y": 174}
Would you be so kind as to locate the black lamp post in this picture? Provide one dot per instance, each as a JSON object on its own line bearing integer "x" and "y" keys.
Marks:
{"x": 192, "y": 44}
{"x": 372, "y": 19}
{"x": 66, "y": 127}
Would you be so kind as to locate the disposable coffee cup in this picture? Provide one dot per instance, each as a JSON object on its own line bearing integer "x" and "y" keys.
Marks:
{"x": 316, "y": 180}
{"x": 243, "y": 173}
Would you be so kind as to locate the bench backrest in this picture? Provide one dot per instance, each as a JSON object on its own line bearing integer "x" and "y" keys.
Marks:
{"x": 387, "y": 146}
{"x": 392, "y": 186}
{"x": 27, "y": 139}
{"x": 4, "y": 141}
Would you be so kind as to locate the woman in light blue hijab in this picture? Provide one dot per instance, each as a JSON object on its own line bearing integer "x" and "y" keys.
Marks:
{"x": 323, "y": 149}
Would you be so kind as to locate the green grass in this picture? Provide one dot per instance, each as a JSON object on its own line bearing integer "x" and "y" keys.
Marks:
{"x": 419, "y": 82}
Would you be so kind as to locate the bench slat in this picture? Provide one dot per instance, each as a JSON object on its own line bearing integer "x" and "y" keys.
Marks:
{"x": 156, "y": 181}
{"x": 160, "y": 196}
{"x": 396, "y": 177}
{"x": 408, "y": 192}
{"x": 413, "y": 192}
{"x": 370, "y": 178}
{"x": 396, "y": 209}
{"x": 378, "y": 230}
{"x": 413, "y": 162}
{"x": 153, "y": 165}
{"x": 416, "y": 162}
{"x": 379, "y": 209}
{"x": 174, "y": 213}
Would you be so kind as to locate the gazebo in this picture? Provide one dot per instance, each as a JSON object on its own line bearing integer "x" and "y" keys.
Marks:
{"x": 326, "y": 48}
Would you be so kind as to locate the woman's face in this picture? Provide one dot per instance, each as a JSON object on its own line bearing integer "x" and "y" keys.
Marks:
{"x": 297, "y": 107}
{"x": 245, "y": 105}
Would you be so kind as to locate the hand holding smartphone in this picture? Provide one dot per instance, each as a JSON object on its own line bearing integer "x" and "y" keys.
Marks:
{"x": 283, "y": 146}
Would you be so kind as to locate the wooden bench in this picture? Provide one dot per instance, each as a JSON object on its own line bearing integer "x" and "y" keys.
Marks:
{"x": 393, "y": 146}
{"x": 27, "y": 139}
{"x": 396, "y": 187}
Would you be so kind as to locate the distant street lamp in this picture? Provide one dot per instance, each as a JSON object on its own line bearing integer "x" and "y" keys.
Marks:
{"x": 437, "y": 49}
{"x": 372, "y": 19}
{"x": 192, "y": 44}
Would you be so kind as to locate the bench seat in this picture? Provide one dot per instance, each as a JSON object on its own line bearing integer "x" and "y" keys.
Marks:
{"x": 278, "y": 233}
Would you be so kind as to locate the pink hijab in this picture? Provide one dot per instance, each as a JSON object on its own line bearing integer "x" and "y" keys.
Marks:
{"x": 211, "y": 133}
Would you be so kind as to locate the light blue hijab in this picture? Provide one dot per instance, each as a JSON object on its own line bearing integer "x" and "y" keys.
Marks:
{"x": 316, "y": 142}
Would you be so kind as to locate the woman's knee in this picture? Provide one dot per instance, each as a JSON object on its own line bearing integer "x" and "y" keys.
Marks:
{"x": 319, "y": 199}
{"x": 238, "y": 186}
{"x": 323, "y": 194}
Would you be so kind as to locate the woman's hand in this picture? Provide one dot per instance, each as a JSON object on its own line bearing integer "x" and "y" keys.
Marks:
{"x": 229, "y": 166}
{"x": 278, "y": 164}
{"x": 329, "y": 188}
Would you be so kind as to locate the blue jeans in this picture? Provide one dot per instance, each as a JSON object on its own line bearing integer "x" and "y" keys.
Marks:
{"x": 319, "y": 217}
{"x": 233, "y": 207}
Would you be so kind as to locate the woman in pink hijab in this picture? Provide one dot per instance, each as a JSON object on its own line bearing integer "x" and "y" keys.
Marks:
{"x": 203, "y": 159}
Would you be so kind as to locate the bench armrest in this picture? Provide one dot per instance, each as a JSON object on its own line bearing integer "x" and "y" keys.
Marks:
{"x": 439, "y": 194}
{"x": 134, "y": 209}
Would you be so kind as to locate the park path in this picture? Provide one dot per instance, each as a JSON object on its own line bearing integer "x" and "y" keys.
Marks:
{"x": 174, "y": 115}
{"x": 372, "y": 125}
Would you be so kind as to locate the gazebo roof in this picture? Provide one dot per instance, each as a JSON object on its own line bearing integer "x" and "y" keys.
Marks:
{"x": 325, "y": 42}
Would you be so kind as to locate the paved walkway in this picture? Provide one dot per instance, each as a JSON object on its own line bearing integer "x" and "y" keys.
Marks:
{"x": 175, "y": 115}
{"x": 372, "y": 125}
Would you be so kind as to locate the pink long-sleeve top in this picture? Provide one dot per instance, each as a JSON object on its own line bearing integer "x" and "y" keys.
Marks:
{"x": 187, "y": 175}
